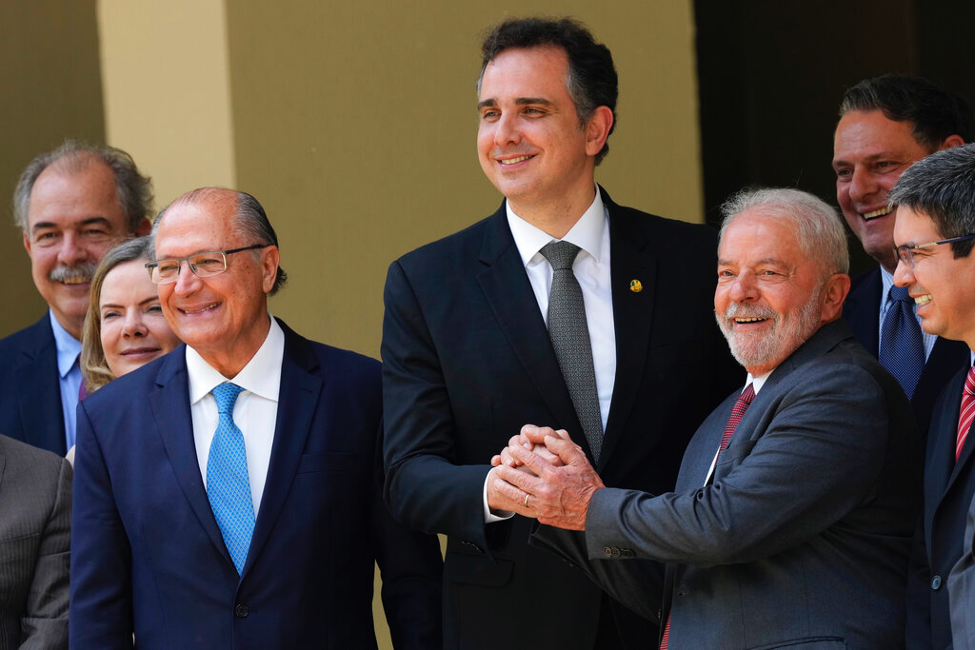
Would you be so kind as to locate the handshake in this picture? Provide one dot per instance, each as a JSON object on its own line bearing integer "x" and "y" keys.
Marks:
{"x": 544, "y": 475}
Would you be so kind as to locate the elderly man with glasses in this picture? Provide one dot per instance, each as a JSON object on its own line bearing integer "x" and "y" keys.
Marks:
{"x": 228, "y": 495}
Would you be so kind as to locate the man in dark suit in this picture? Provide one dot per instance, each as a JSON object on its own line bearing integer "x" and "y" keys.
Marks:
{"x": 35, "y": 520}
{"x": 468, "y": 356}
{"x": 886, "y": 124}
{"x": 228, "y": 494}
{"x": 72, "y": 204}
{"x": 934, "y": 230}
{"x": 791, "y": 520}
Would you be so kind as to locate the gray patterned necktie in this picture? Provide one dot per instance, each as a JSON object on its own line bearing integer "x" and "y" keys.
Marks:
{"x": 567, "y": 323}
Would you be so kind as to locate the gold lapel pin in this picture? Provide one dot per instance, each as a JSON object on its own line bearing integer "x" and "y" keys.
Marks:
{"x": 636, "y": 286}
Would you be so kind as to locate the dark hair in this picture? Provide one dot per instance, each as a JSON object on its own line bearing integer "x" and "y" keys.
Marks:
{"x": 935, "y": 113}
{"x": 941, "y": 186}
{"x": 591, "y": 78}
{"x": 252, "y": 221}
{"x": 135, "y": 191}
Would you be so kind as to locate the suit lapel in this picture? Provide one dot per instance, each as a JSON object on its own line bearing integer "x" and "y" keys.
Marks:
{"x": 512, "y": 301}
{"x": 297, "y": 402}
{"x": 37, "y": 377}
{"x": 631, "y": 259}
{"x": 862, "y": 311}
{"x": 170, "y": 405}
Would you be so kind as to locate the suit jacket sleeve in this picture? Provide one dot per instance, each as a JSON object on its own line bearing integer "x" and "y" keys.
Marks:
{"x": 411, "y": 567}
{"x": 101, "y": 559}
{"x": 961, "y": 585}
{"x": 45, "y": 620}
{"x": 800, "y": 471}
{"x": 419, "y": 446}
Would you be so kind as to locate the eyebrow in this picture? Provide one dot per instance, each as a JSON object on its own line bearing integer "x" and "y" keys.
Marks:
{"x": 140, "y": 303}
{"x": 85, "y": 222}
{"x": 520, "y": 101}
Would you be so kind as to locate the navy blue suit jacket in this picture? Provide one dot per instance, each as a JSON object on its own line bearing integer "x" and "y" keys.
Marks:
{"x": 30, "y": 395}
{"x": 148, "y": 557}
{"x": 948, "y": 492}
{"x": 862, "y": 313}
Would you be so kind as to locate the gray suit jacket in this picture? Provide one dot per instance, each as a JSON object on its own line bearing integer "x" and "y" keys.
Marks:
{"x": 35, "y": 519}
{"x": 801, "y": 539}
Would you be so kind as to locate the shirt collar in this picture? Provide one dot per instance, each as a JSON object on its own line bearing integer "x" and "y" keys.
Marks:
{"x": 757, "y": 382}
{"x": 887, "y": 281}
{"x": 261, "y": 376}
{"x": 587, "y": 233}
{"x": 68, "y": 346}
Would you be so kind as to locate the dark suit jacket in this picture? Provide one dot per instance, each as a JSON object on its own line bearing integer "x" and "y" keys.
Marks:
{"x": 862, "y": 313}
{"x": 948, "y": 488}
{"x": 801, "y": 540}
{"x": 148, "y": 556}
{"x": 35, "y": 520}
{"x": 30, "y": 395}
{"x": 468, "y": 361}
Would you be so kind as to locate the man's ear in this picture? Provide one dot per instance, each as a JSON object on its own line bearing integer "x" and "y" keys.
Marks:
{"x": 270, "y": 258}
{"x": 144, "y": 228}
{"x": 952, "y": 141}
{"x": 833, "y": 295}
{"x": 598, "y": 129}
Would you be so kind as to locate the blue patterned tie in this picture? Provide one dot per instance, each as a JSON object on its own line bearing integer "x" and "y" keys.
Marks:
{"x": 228, "y": 487}
{"x": 901, "y": 348}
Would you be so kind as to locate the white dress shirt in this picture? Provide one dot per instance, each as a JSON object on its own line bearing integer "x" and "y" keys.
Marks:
{"x": 758, "y": 383}
{"x": 255, "y": 411}
{"x": 592, "y": 269}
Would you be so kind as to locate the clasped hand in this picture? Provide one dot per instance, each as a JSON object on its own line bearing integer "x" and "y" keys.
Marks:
{"x": 543, "y": 474}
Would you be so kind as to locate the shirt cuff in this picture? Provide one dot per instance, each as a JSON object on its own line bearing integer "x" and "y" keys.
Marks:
{"x": 489, "y": 516}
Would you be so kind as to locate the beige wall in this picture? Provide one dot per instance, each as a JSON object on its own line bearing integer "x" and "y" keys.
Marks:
{"x": 353, "y": 123}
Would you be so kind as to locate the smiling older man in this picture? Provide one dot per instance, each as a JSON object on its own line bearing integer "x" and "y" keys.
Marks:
{"x": 792, "y": 516}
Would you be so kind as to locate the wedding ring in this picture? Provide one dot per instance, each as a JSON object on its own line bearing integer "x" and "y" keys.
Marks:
{"x": 526, "y": 502}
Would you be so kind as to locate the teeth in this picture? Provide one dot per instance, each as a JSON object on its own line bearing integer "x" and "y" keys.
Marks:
{"x": 513, "y": 161}
{"x": 749, "y": 320}
{"x": 74, "y": 280}
{"x": 876, "y": 213}
{"x": 210, "y": 306}
{"x": 924, "y": 299}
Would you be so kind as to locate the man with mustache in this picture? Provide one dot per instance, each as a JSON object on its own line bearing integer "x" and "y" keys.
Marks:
{"x": 72, "y": 204}
{"x": 792, "y": 517}
{"x": 886, "y": 124}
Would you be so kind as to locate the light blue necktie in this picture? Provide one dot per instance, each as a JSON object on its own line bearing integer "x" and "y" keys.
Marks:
{"x": 901, "y": 350}
{"x": 228, "y": 487}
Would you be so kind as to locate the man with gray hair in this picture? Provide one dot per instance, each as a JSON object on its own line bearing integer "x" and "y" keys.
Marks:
{"x": 72, "y": 205}
{"x": 792, "y": 516}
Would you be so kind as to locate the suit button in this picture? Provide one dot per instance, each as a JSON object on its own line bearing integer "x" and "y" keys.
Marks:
{"x": 626, "y": 552}
{"x": 936, "y": 583}
{"x": 241, "y": 611}
{"x": 607, "y": 551}
{"x": 615, "y": 551}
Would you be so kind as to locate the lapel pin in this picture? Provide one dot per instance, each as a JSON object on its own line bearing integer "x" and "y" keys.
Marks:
{"x": 636, "y": 286}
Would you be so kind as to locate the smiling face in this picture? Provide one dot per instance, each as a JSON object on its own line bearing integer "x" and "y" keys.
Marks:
{"x": 73, "y": 219}
{"x": 941, "y": 285}
{"x": 770, "y": 297}
{"x": 133, "y": 329}
{"x": 223, "y": 317}
{"x": 870, "y": 153}
{"x": 531, "y": 144}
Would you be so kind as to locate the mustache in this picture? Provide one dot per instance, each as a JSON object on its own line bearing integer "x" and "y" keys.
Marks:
{"x": 82, "y": 272}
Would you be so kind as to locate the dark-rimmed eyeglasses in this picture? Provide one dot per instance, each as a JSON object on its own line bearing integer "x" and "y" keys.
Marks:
{"x": 905, "y": 252}
{"x": 202, "y": 265}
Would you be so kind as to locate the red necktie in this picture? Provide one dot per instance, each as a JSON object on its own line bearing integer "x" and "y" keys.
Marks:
{"x": 739, "y": 408}
{"x": 966, "y": 411}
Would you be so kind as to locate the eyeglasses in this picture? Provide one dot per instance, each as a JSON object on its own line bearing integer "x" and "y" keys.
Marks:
{"x": 905, "y": 252}
{"x": 203, "y": 264}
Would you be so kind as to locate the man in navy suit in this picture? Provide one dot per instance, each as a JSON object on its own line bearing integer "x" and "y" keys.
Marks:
{"x": 934, "y": 232}
{"x": 72, "y": 204}
{"x": 468, "y": 357}
{"x": 228, "y": 494}
{"x": 886, "y": 124}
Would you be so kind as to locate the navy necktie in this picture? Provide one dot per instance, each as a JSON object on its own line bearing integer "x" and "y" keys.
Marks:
{"x": 901, "y": 346}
